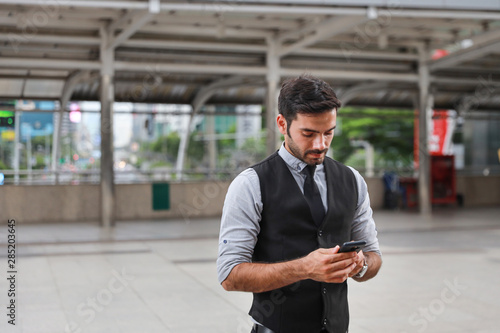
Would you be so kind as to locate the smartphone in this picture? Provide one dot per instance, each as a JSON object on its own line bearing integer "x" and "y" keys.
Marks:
{"x": 352, "y": 246}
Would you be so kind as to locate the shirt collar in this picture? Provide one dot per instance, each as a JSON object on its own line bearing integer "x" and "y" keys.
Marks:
{"x": 292, "y": 161}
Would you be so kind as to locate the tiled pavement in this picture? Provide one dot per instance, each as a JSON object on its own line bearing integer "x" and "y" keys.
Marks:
{"x": 440, "y": 274}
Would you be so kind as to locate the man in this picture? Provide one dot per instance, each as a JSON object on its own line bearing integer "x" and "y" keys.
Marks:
{"x": 285, "y": 217}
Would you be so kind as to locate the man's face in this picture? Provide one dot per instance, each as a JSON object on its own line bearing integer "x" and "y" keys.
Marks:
{"x": 310, "y": 135}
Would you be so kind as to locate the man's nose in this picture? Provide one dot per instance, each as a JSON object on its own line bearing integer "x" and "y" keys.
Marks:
{"x": 319, "y": 142}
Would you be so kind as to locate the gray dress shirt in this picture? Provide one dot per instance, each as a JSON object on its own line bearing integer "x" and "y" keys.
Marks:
{"x": 241, "y": 215}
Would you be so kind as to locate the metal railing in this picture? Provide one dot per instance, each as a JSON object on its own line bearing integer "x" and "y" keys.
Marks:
{"x": 48, "y": 177}
{"x": 65, "y": 177}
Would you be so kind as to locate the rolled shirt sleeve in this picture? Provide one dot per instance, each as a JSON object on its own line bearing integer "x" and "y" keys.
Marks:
{"x": 363, "y": 225}
{"x": 240, "y": 222}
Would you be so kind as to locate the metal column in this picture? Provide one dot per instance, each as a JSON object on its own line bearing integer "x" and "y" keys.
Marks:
{"x": 273, "y": 77}
{"x": 107, "y": 99}
{"x": 199, "y": 100}
{"x": 423, "y": 153}
{"x": 56, "y": 141}
{"x": 70, "y": 84}
{"x": 17, "y": 139}
{"x": 183, "y": 146}
{"x": 212, "y": 141}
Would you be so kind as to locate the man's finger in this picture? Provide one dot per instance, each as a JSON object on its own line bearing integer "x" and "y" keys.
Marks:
{"x": 342, "y": 275}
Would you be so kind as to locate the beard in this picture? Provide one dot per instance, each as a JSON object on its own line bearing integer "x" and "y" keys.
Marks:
{"x": 303, "y": 155}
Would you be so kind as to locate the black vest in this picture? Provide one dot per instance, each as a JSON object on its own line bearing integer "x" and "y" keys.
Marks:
{"x": 287, "y": 232}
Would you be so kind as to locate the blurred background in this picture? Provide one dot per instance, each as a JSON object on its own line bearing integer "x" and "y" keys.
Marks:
{"x": 122, "y": 123}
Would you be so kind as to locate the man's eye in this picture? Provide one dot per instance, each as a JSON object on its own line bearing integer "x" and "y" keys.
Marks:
{"x": 329, "y": 133}
{"x": 307, "y": 135}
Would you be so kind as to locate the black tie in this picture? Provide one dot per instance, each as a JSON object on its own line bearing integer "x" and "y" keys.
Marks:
{"x": 313, "y": 198}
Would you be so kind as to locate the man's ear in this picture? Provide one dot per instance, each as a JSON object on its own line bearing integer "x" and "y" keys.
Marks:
{"x": 281, "y": 121}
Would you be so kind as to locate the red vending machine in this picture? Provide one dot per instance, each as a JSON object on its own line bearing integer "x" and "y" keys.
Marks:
{"x": 443, "y": 182}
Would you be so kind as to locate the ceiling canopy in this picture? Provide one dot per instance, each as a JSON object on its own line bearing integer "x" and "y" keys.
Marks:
{"x": 168, "y": 52}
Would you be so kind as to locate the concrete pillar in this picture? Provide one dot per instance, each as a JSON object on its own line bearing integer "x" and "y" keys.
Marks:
{"x": 17, "y": 138}
{"x": 212, "y": 141}
{"x": 107, "y": 99}
{"x": 424, "y": 198}
{"x": 70, "y": 84}
{"x": 273, "y": 78}
{"x": 56, "y": 141}
{"x": 183, "y": 145}
{"x": 27, "y": 130}
{"x": 369, "y": 160}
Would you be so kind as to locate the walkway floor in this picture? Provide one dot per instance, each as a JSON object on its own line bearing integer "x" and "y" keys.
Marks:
{"x": 440, "y": 274}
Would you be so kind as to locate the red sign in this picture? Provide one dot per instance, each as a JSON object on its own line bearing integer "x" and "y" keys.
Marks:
{"x": 440, "y": 133}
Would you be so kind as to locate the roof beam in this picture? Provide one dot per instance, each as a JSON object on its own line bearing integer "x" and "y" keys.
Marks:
{"x": 268, "y": 9}
{"x": 328, "y": 10}
{"x": 323, "y": 30}
{"x": 420, "y": 33}
{"x": 189, "y": 68}
{"x": 294, "y": 33}
{"x": 465, "y": 55}
{"x": 123, "y": 21}
{"x": 31, "y": 63}
{"x": 137, "y": 21}
{"x": 85, "y": 4}
{"x": 359, "y": 54}
{"x": 249, "y": 71}
{"x": 352, "y": 75}
{"x": 191, "y": 45}
{"x": 189, "y": 30}
{"x": 213, "y": 46}
{"x": 485, "y": 43}
{"x": 48, "y": 38}
{"x": 239, "y": 22}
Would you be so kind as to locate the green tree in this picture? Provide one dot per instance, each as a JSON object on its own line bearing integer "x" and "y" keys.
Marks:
{"x": 255, "y": 148}
{"x": 196, "y": 149}
{"x": 389, "y": 131}
{"x": 226, "y": 148}
{"x": 168, "y": 144}
{"x": 3, "y": 166}
{"x": 167, "y": 147}
{"x": 39, "y": 142}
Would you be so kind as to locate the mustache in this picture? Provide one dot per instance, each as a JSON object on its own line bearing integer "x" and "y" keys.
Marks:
{"x": 316, "y": 151}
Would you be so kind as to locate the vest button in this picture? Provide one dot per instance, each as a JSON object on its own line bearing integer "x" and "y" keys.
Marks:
{"x": 320, "y": 233}
{"x": 324, "y": 290}
{"x": 324, "y": 321}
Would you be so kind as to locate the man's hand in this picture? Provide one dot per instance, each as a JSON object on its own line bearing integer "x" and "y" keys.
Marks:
{"x": 327, "y": 265}
{"x": 323, "y": 265}
{"x": 360, "y": 262}
{"x": 373, "y": 260}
